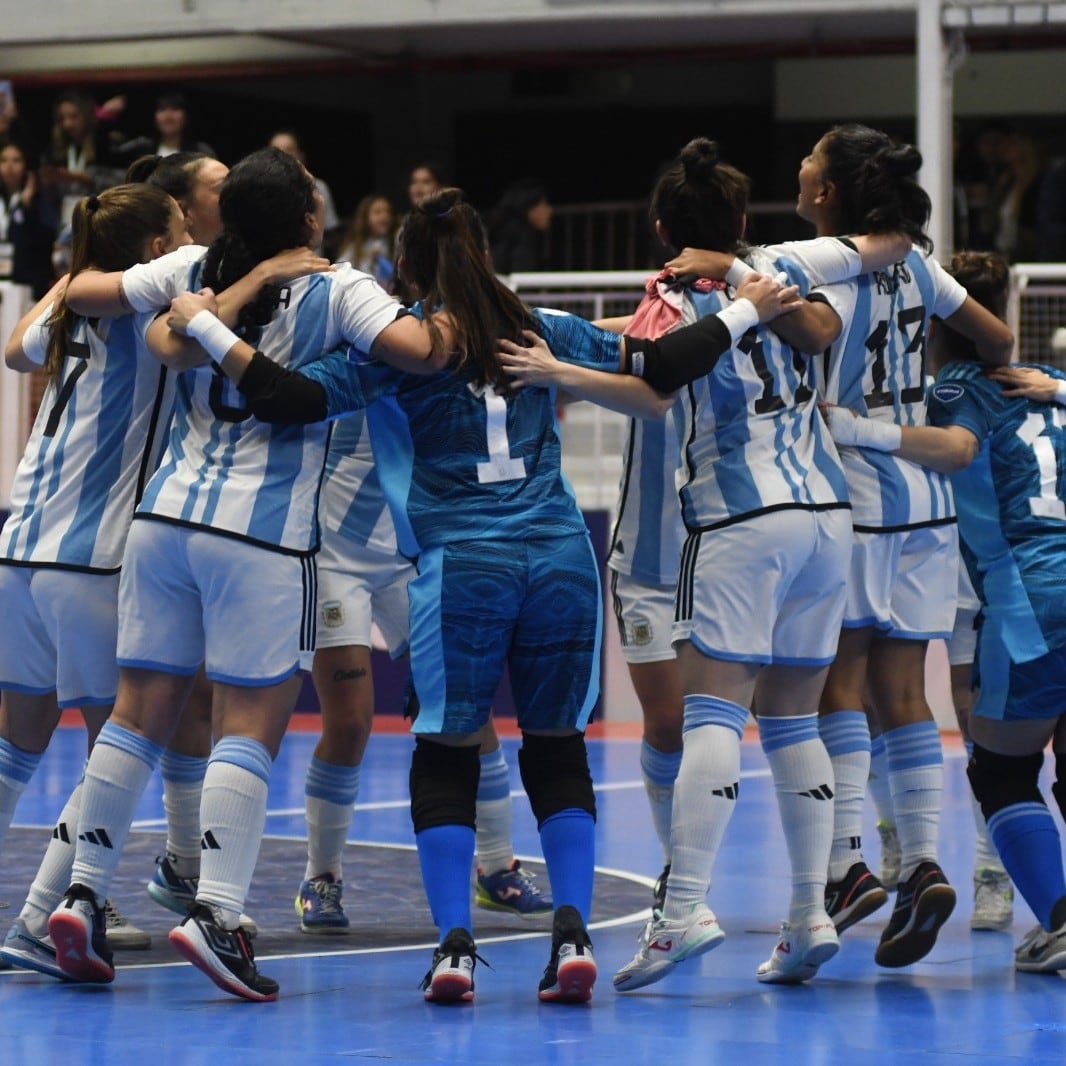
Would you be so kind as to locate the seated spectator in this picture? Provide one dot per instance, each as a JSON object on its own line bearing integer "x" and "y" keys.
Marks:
{"x": 370, "y": 244}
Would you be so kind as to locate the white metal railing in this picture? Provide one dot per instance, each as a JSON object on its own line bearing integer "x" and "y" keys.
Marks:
{"x": 1036, "y": 312}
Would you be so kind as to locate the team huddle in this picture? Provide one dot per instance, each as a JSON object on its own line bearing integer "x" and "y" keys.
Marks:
{"x": 245, "y": 456}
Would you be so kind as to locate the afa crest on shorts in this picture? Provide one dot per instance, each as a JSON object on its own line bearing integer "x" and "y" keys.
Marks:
{"x": 332, "y": 614}
{"x": 642, "y": 633}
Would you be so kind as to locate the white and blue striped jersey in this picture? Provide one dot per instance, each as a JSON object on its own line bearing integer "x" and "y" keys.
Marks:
{"x": 353, "y": 504}
{"x": 752, "y": 438}
{"x": 647, "y": 534}
{"x": 97, "y": 439}
{"x": 226, "y": 471}
{"x": 462, "y": 462}
{"x": 877, "y": 368}
{"x": 151, "y": 286}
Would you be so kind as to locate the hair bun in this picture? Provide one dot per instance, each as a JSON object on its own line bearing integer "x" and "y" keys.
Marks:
{"x": 902, "y": 160}
{"x": 92, "y": 204}
{"x": 698, "y": 158}
{"x": 440, "y": 204}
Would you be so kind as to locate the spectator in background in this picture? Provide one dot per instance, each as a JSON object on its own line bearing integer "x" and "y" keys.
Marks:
{"x": 984, "y": 168}
{"x": 289, "y": 142}
{"x": 370, "y": 243}
{"x": 424, "y": 179}
{"x": 517, "y": 227}
{"x": 1017, "y": 195}
{"x": 173, "y": 132}
{"x": 1051, "y": 213}
{"x": 27, "y": 227}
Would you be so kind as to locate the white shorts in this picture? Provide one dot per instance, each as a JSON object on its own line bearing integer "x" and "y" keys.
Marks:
{"x": 189, "y": 596}
{"x": 962, "y": 644}
{"x": 60, "y": 630}
{"x": 645, "y": 616}
{"x": 905, "y": 584}
{"x": 767, "y": 590}
{"x": 357, "y": 589}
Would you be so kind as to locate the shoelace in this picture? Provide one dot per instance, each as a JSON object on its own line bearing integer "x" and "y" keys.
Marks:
{"x": 329, "y": 895}
{"x": 115, "y": 919}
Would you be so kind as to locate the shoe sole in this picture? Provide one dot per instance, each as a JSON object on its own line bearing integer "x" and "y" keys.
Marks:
{"x": 31, "y": 960}
{"x": 165, "y": 898}
{"x": 450, "y": 988}
{"x": 189, "y": 948}
{"x": 917, "y": 938}
{"x": 125, "y": 940}
{"x": 870, "y": 901}
{"x": 573, "y": 983}
{"x": 492, "y": 905}
{"x": 991, "y": 925}
{"x": 815, "y": 957}
{"x": 74, "y": 955}
{"x": 659, "y": 968}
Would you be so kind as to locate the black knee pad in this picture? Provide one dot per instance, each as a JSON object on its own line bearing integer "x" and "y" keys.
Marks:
{"x": 555, "y": 772}
{"x": 1000, "y": 781}
{"x": 443, "y": 785}
{"x": 1058, "y": 789}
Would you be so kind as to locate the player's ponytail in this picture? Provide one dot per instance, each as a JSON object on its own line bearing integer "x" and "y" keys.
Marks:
{"x": 876, "y": 187}
{"x": 701, "y": 201}
{"x": 442, "y": 253}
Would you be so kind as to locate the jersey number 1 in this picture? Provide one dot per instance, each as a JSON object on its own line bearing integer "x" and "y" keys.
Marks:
{"x": 501, "y": 466}
{"x": 1048, "y": 504}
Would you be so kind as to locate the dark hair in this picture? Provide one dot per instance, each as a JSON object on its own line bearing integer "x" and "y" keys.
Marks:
{"x": 701, "y": 201}
{"x": 442, "y": 249}
{"x": 518, "y": 197}
{"x": 108, "y": 232}
{"x": 87, "y": 106}
{"x": 876, "y": 187}
{"x": 172, "y": 101}
{"x": 264, "y": 204}
{"x": 175, "y": 173}
{"x": 986, "y": 277}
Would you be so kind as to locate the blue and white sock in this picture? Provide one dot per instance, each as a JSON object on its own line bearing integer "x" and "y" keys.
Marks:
{"x": 659, "y": 770}
{"x": 53, "y": 875}
{"x": 846, "y": 735}
{"x": 493, "y": 836}
{"x": 330, "y": 792}
{"x": 880, "y": 790}
{"x": 16, "y": 769}
{"x": 916, "y": 776}
{"x": 183, "y": 783}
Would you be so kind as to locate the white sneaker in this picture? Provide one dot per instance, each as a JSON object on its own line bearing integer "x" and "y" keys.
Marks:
{"x": 122, "y": 934}
{"x": 800, "y": 950}
{"x": 663, "y": 944}
{"x": 1041, "y": 951}
{"x": 891, "y": 856}
{"x": 993, "y": 900}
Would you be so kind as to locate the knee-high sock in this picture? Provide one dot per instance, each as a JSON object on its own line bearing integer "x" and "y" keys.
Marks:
{"x": 1028, "y": 842}
{"x": 493, "y": 835}
{"x": 569, "y": 843}
{"x": 232, "y": 816}
{"x": 16, "y": 769}
{"x": 330, "y": 792}
{"x": 446, "y": 853}
{"x": 659, "y": 770}
{"x": 916, "y": 775}
{"x": 705, "y": 796}
{"x": 115, "y": 777}
{"x": 183, "y": 784}
{"x": 880, "y": 790}
{"x": 53, "y": 875}
{"x": 846, "y": 735}
{"x": 803, "y": 780}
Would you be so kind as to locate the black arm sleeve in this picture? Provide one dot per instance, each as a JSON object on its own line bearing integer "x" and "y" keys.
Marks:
{"x": 278, "y": 395}
{"x": 677, "y": 358}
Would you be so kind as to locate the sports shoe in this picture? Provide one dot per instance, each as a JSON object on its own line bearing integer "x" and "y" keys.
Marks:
{"x": 451, "y": 973}
{"x": 122, "y": 934}
{"x": 178, "y": 894}
{"x": 664, "y": 944}
{"x": 660, "y": 889}
{"x": 1041, "y": 951}
{"x": 225, "y": 955}
{"x": 513, "y": 890}
{"x": 857, "y": 894}
{"x": 993, "y": 900}
{"x": 28, "y": 952}
{"x": 78, "y": 929}
{"x": 571, "y": 970}
{"x": 891, "y": 854}
{"x": 799, "y": 951}
{"x": 319, "y": 906}
{"x": 923, "y": 904}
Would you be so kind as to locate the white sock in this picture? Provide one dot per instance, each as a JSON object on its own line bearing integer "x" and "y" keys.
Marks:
{"x": 232, "y": 817}
{"x": 705, "y": 796}
{"x": 880, "y": 790}
{"x": 115, "y": 778}
{"x": 16, "y": 769}
{"x": 659, "y": 771}
{"x": 53, "y": 875}
{"x": 916, "y": 774}
{"x": 492, "y": 840}
{"x": 846, "y": 736}
{"x": 803, "y": 780}
{"x": 183, "y": 783}
{"x": 330, "y": 792}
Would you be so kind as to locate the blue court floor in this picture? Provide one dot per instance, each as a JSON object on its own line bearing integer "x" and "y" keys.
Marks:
{"x": 962, "y": 1004}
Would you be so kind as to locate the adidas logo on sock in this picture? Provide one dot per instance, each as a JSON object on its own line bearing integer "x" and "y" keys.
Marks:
{"x": 822, "y": 792}
{"x": 209, "y": 843}
{"x": 60, "y": 833}
{"x": 96, "y": 836}
{"x": 729, "y": 792}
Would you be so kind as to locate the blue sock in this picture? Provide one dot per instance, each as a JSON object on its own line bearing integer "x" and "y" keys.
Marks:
{"x": 446, "y": 854}
{"x": 568, "y": 842}
{"x": 1028, "y": 843}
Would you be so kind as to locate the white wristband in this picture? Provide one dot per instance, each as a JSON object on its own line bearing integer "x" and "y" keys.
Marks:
{"x": 846, "y": 427}
{"x": 215, "y": 337}
{"x": 1060, "y": 393}
{"x": 738, "y": 271}
{"x": 35, "y": 343}
{"x": 739, "y": 317}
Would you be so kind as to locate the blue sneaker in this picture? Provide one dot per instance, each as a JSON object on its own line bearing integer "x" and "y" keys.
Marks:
{"x": 318, "y": 904}
{"x": 178, "y": 894}
{"x": 513, "y": 890}
{"x": 28, "y": 952}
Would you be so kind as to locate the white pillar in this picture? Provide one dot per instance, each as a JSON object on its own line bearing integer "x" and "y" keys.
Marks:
{"x": 934, "y": 118}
